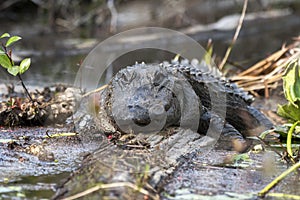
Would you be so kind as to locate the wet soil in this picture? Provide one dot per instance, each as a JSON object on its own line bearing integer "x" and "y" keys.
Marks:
{"x": 32, "y": 164}
{"x": 212, "y": 176}
{"x": 172, "y": 170}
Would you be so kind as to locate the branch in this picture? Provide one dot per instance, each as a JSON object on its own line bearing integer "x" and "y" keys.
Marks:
{"x": 236, "y": 34}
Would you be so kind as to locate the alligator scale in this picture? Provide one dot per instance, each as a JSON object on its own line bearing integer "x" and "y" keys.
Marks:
{"x": 146, "y": 98}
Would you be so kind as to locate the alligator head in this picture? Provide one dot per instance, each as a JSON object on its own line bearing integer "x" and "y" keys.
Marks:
{"x": 142, "y": 99}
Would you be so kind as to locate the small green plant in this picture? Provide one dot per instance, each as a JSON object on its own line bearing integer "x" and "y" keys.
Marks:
{"x": 291, "y": 87}
{"x": 7, "y": 62}
{"x": 291, "y": 110}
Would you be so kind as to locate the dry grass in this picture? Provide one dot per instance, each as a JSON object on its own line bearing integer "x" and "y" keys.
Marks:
{"x": 267, "y": 73}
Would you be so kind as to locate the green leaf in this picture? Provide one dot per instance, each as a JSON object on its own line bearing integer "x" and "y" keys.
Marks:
{"x": 5, "y": 61}
{"x": 14, "y": 70}
{"x": 241, "y": 157}
{"x": 24, "y": 65}
{"x": 291, "y": 82}
{"x": 289, "y": 111}
{"x": 12, "y": 40}
{"x": 4, "y": 35}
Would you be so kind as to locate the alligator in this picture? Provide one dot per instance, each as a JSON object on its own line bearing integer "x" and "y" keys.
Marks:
{"x": 146, "y": 98}
{"x": 152, "y": 99}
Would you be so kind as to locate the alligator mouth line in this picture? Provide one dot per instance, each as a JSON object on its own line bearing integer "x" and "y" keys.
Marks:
{"x": 141, "y": 122}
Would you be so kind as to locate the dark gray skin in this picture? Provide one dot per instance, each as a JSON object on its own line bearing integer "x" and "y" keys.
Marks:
{"x": 148, "y": 98}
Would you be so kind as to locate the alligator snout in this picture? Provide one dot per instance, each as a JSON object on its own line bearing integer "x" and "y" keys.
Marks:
{"x": 140, "y": 115}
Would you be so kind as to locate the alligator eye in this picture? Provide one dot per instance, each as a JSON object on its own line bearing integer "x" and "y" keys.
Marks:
{"x": 158, "y": 78}
{"x": 167, "y": 107}
{"x": 126, "y": 76}
{"x": 130, "y": 107}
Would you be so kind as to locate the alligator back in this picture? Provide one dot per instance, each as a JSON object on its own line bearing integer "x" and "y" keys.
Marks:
{"x": 226, "y": 96}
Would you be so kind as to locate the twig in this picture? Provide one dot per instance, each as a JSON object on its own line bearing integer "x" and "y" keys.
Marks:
{"x": 265, "y": 63}
{"x": 8, "y": 53}
{"x": 284, "y": 196}
{"x": 236, "y": 34}
{"x": 114, "y": 16}
{"x": 110, "y": 186}
{"x": 263, "y": 192}
{"x": 267, "y": 144}
{"x": 23, "y": 85}
{"x": 93, "y": 91}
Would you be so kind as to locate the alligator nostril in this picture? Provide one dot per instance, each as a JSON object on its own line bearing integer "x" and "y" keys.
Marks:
{"x": 140, "y": 115}
{"x": 135, "y": 108}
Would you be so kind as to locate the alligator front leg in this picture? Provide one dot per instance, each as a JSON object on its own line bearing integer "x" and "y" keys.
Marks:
{"x": 216, "y": 127}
